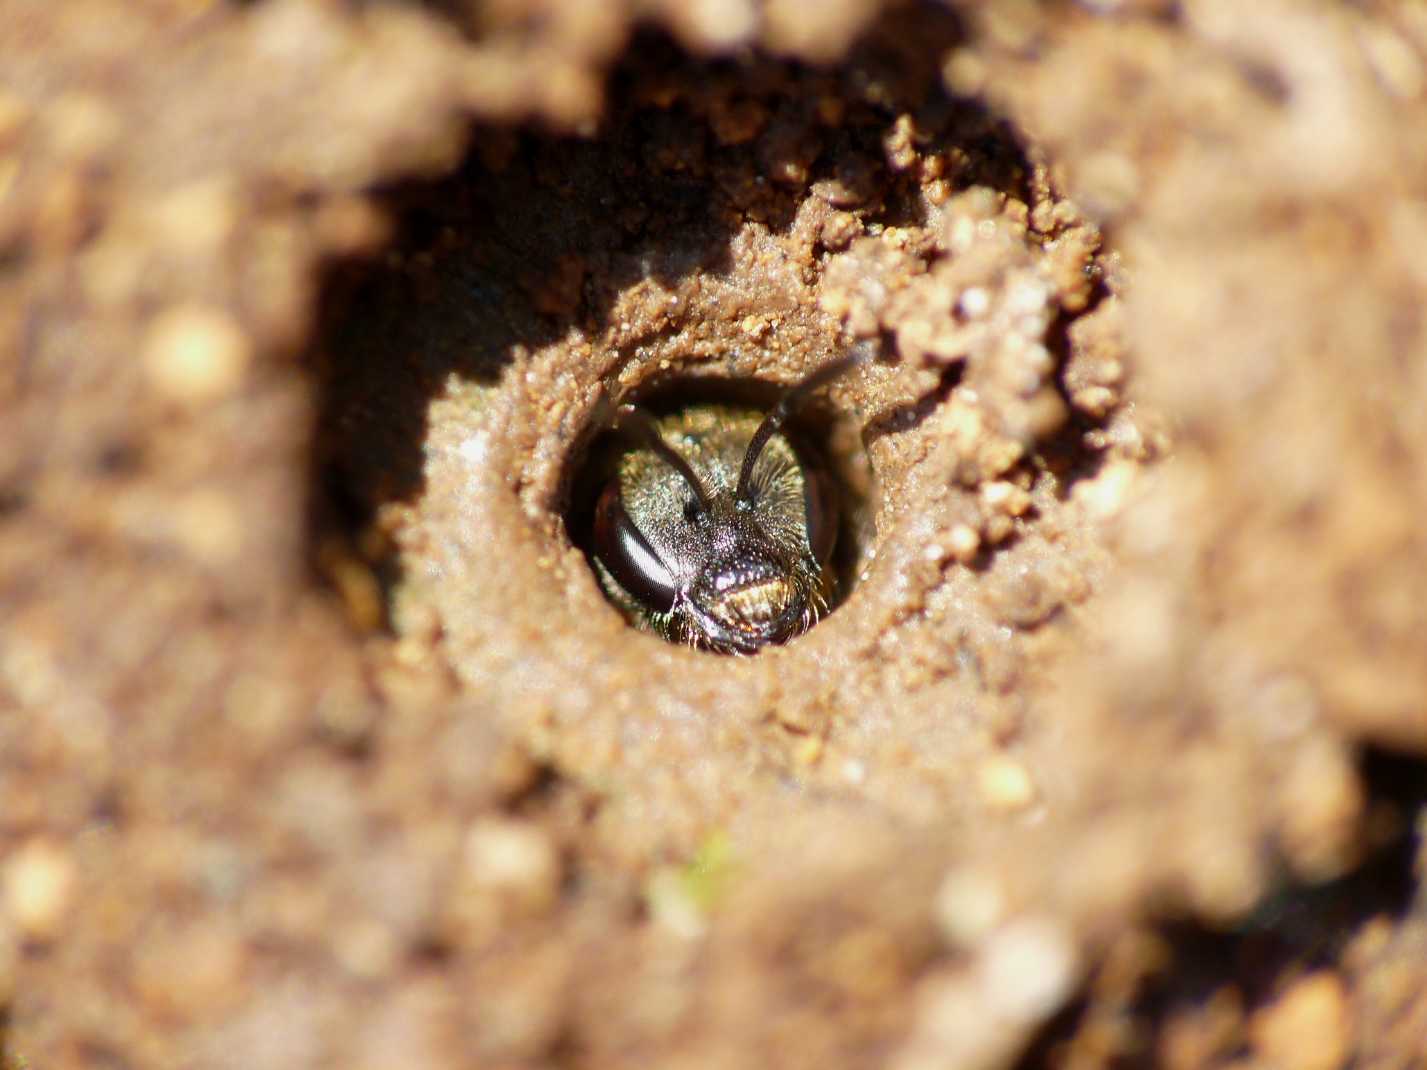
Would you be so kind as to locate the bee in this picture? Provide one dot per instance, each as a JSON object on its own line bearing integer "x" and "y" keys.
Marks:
{"x": 713, "y": 529}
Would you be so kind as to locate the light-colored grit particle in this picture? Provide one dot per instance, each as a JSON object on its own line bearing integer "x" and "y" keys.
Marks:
{"x": 195, "y": 355}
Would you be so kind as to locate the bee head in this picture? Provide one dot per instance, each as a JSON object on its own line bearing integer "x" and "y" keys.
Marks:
{"x": 720, "y": 547}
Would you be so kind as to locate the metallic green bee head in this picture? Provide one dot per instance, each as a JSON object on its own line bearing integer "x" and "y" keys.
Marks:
{"x": 714, "y": 530}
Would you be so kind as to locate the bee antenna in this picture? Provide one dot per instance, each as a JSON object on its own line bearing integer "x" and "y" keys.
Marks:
{"x": 787, "y": 405}
{"x": 638, "y": 424}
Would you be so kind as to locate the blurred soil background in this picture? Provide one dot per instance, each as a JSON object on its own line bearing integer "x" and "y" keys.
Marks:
{"x": 319, "y": 745}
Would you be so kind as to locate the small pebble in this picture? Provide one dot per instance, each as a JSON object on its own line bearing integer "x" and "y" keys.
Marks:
{"x": 809, "y": 751}
{"x": 1104, "y": 496}
{"x": 965, "y": 542}
{"x": 1005, "y": 498}
{"x": 964, "y": 72}
{"x": 195, "y": 355}
{"x": 40, "y": 884}
{"x": 715, "y": 25}
{"x": 974, "y": 303}
{"x": 1309, "y": 1027}
{"x": 1006, "y": 784}
{"x": 197, "y": 219}
{"x": 969, "y": 904}
{"x": 1322, "y": 806}
{"x": 351, "y": 225}
{"x": 1028, "y": 969}
{"x": 514, "y": 859}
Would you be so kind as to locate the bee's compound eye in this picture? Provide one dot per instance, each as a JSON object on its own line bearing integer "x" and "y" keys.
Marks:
{"x": 820, "y": 502}
{"x": 623, "y": 550}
